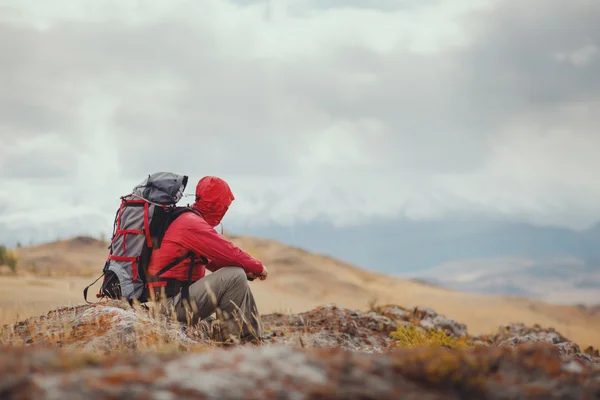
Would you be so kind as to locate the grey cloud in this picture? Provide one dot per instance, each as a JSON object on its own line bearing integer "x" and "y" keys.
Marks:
{"x": 456, "y": 98}
{"x": 383, "y": 5}
{"x": 42, "y": 164}
{"x": 437, "y": 110}
{"x": 289, "y": 100}
{"x": 46, "y": 75}
{"x": 224, "y": 120}
{"x": 417, "y": 98}
{"x": 304, "y": 5}
{"x": 39, "y": 92}
{"x": 221, "y": 104}
{"x": 30, "y": 233}
{"x": 512, "y": 66}
{"x": 5, "y": 207}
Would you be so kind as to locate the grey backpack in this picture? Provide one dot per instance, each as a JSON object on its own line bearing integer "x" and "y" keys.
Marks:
{"x": 140, "y": 224}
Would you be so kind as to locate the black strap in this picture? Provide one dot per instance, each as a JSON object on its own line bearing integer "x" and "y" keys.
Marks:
{"x": 173, "y": 263}
{"x": 185, "y": 286}
{"x": 85, "y": 291}
{"x": 185, "y": 289}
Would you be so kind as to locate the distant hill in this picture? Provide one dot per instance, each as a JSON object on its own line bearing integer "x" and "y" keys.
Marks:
{"x": 405, "y": 246}
{"x": 558, "y": 280}
{"x": 78, "y": 256}
{"x": 489, "y": 256}
{"x": 592, "y": 310}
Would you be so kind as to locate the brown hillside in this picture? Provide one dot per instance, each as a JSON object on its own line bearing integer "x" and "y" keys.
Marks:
{"x": 298, "y": 281}
{"x": 78, "y": 256}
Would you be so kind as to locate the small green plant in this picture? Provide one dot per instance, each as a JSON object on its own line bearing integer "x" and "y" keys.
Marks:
{"x": 411, "y": 336}
{"x": 9, "y": 258}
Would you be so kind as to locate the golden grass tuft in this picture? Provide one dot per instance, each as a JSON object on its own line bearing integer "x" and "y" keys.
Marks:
{"x": 409, "y": 336}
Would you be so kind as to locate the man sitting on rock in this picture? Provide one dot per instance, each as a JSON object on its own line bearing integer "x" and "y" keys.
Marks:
{"x": 224, "y": 291}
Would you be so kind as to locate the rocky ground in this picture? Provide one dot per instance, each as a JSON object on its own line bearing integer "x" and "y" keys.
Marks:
{"x": 109, "y": 350}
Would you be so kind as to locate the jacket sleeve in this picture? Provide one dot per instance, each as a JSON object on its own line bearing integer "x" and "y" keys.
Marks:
{"x": 201, "y": 238}
{"x": 213, "y": 266}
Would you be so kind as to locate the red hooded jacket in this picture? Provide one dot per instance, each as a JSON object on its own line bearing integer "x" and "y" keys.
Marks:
{"x": 191, "y": 232}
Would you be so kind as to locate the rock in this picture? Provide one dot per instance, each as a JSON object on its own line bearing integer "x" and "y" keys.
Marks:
{"x": 103, "y": 327}
{"x": 573, "y": 366}
{"x": 394, "y": 312}
{"x": 426, "y": 318}
{"x": 512, "y": 335}
{"x": 109, "y": 350}
{"x": 115, "y": 326}
{"x": 429, "y": 319}
{"x": 331, "y": 326}
{"x": 276, "y": 371}
{"x": 535, "y": 333}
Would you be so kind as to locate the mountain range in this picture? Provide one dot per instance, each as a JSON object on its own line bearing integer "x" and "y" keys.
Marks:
{"x": 555, "y": 264}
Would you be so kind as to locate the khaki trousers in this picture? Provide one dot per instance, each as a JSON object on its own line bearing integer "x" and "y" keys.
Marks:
{"x": 227, "y": 293}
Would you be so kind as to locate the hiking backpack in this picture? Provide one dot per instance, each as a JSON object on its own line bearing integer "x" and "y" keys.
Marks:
{"x": 140, "y": 224}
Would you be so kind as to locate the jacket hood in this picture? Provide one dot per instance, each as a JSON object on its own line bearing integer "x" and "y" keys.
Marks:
{"x": 213, "y": 198}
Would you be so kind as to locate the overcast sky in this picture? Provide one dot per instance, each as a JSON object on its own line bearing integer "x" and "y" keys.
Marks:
{"x": 333, "y": 109}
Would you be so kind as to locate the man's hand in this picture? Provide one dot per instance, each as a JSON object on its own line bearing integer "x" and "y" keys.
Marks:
{"x": 262, "y": 276}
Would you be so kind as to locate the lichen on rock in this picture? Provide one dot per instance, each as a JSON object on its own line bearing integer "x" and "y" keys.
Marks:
{"x": 102, "y": 327}
{"x": 332, "y": 326}
{"x": 532, "y": 370}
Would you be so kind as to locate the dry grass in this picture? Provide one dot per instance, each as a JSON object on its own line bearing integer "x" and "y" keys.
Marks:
{"x": 58, "y": 272}
{"x": 150, "y": 334}
{"x": 15, "y": 314}
{"x": 29, "y": 296}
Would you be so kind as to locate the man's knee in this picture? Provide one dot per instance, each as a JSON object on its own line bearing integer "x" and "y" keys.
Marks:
{"x": 235, "y": 275}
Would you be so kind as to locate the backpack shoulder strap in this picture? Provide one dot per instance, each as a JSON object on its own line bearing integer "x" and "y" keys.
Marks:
{"x": 176, "y": 213}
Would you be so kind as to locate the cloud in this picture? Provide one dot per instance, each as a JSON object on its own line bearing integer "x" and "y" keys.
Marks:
{"x": 310, "y": 109}
{"x": 580, "y": 57}
{"x": 312, "y": 5}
